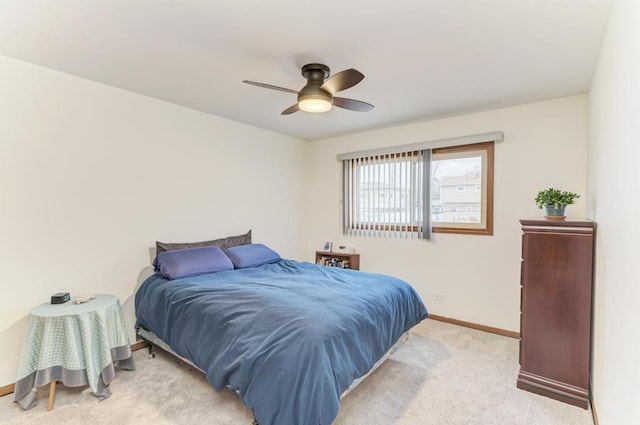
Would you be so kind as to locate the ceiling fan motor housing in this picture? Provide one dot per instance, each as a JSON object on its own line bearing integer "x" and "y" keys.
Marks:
{"x": 315, "y": 74}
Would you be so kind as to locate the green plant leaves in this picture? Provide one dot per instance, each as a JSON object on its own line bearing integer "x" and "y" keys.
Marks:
{"x": 555, "y": 197}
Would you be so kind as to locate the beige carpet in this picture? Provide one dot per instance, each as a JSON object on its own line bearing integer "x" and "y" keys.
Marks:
{"x": 444, "y": 375}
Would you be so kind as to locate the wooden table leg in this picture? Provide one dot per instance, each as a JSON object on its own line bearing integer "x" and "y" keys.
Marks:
{"x": 52, "y": 394}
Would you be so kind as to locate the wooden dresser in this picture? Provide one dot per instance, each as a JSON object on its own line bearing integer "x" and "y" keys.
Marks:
{"x": 555, "y": 306}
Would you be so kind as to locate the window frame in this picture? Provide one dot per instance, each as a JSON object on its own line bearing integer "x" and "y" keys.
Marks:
{"x": 487, "y": 204}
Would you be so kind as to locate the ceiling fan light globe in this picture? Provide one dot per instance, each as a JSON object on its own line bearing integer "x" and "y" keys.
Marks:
{"x": 314, "y": 104}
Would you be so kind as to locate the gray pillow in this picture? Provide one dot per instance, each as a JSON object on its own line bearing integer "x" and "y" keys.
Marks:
{"x": 223, "y": 243}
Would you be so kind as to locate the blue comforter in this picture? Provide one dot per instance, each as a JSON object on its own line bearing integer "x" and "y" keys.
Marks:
{"x": 289, "y": 336}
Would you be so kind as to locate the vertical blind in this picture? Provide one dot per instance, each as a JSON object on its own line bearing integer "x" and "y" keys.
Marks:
{"x": 388, "y": 195}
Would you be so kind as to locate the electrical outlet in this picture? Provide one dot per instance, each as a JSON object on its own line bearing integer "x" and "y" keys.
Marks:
{"x": 440, "y": 297}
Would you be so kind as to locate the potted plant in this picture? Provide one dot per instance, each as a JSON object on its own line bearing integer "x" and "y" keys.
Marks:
{"x": 554, "y": 201}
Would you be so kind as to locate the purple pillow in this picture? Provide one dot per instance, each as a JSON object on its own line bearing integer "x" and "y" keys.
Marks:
{"x": 251, "y": 255}
{"x": 191, "y": 262}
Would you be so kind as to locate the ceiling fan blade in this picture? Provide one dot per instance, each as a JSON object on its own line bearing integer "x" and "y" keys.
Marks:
{"x": 342, "y": 80}
{"x": 269, "y": 86}
{"x": 352, "y": 105}
{"x": 290, "y": 110}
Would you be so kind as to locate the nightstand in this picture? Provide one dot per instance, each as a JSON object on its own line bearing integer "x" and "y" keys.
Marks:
{"x": 76, "y": 344}
{"x": 338, "y": 259}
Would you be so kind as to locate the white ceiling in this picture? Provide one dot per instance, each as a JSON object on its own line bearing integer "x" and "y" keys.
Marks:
{"x": 422, "y": 58}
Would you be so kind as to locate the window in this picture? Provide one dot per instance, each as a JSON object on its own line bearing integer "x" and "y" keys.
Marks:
{"x": 464, "y": 211}
{"x": 448, "y": 190}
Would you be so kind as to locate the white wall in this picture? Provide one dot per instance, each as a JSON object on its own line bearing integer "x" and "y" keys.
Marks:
{"x": 614, "y": 160}
{"x": 545, "y": 145}
{"x": 91, "y": 176}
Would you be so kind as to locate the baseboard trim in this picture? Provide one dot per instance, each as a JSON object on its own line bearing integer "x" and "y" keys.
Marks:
{"x": 476, "y": 326}
{"x": 594, "y": 412}
{"x": 7, "y": 389}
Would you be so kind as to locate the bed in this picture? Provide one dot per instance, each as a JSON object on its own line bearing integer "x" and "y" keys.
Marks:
{"x": 289, "y": 337}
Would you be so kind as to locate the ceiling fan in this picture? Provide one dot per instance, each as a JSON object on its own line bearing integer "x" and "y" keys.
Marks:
{"x": 318, "y": 94}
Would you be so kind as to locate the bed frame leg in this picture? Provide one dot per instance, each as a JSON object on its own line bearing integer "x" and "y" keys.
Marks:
{"x": 152, "y": 355}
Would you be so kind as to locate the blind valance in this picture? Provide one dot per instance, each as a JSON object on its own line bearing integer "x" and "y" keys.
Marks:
{"x": 495, "y": 136}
